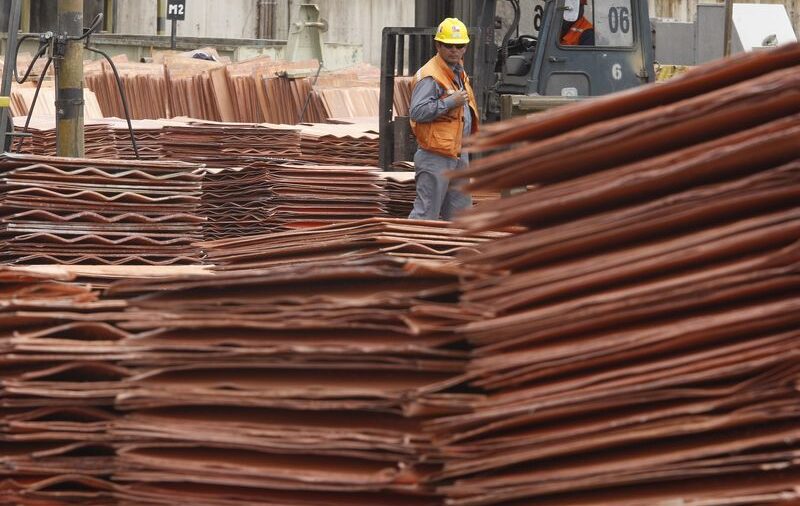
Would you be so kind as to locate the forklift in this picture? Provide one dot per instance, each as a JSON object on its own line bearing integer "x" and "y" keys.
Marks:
{"x": 520, "y": 73}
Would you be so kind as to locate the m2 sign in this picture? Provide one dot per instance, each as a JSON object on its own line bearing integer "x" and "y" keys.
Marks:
{"x": 176, "y": 9}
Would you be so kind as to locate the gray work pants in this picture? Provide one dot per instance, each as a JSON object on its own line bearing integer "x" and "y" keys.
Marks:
{"x": 437, "y": 197}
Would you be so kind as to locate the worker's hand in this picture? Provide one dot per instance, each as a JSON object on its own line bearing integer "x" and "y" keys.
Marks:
{"x": 459, "y": 98}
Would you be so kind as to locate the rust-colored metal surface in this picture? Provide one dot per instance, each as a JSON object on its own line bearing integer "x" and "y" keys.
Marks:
{"x": 357, "y": 144}
{"x": 640, "y": 339}
{"x": 633, "y": 341}
{"x": 58, "y": 210}
{"x": 228, "y": 144}
{"x": 393, "y": 237}
{"x": 303, "y": 384}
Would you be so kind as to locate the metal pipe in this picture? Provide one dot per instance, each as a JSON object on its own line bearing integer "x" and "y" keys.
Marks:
{"x": 259, "y": 19}
{"x": 108, "y": 16}
{"x": 11, "y": 61}
{"x": 161, "y": 18}
{"x": 69, "y": 89}
{"x": 115, "y": 23}
{"x": 25, "y": 17}
{"x": 270, "y": 19}
{"x": 265, "y": 28}
{"x": 728, "y": 27}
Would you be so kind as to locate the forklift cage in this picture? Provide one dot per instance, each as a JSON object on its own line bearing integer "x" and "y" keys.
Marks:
{"x": 403, "y": 51}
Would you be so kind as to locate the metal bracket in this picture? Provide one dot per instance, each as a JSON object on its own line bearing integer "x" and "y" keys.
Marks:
{"x": 305, "y": 42}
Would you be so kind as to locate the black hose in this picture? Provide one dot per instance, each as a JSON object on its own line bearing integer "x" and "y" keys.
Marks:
{"x": 122, "y": 96}
{"x": 33, "y": 104}
{"x": 42, "y": 49}
{"x": 92, "y": 28}
{"x": 308, "y": 97}
{"x": 36, "y": 57}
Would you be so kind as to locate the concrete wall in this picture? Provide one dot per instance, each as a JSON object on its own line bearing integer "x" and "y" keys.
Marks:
{"x": 698, "y": 37}
{"x": 229, "y": 19}
{"x": 360, "y": 21}
{"x": 685, "y": 10}
{"x": 350, "y": 21}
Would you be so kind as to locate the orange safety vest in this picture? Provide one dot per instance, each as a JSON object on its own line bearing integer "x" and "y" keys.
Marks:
{"x": 573, "y": 36}
{"x": 443, "y": 134}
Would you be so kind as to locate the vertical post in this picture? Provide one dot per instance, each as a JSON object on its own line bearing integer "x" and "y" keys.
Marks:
{"x": 25, "y": 19}
{"x": 260, "y": 19}
{"x": 161, "y": 18}
{"x": 728, "y": 27}
{"x": 401, "y": 51}
{"x": 69, "y": 94}
{"x": 173, "y": 33}
{"x": 108, "y": 16}
{"x": 386, "y": 100}
{"x": 8, "y": 68}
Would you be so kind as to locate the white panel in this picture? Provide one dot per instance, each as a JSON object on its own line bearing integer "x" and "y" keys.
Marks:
{"x": 762, "y": 25}
{"x": 613, "y": 23}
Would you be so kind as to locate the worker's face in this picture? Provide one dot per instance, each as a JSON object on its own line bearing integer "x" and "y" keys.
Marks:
{"x": 451, "y": 53}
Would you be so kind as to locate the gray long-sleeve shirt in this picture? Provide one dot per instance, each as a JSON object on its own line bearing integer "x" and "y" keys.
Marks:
{"x": 426, "y": 106}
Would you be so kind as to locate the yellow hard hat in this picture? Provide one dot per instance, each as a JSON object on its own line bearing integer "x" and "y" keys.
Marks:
{"x": 452, "y": 31}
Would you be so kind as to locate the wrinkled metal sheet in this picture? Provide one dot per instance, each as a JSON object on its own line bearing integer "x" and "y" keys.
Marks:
{"x": 639, "y": 339}
{"x": 99, "y": 211}
{"x": 394, "y": 237}
{"x": 635, "y": 341}
{"x": 280, "y": 384}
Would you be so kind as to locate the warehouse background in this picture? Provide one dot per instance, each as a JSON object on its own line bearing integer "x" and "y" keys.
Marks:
{"x": 350, "y": 21}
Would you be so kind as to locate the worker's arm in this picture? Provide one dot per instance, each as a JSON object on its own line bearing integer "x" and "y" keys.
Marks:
{"x": 426, "y": 105}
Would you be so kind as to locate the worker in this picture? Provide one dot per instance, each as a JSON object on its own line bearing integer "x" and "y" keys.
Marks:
{"x": 443, "y": 111}
{"x": 580, "y": 32}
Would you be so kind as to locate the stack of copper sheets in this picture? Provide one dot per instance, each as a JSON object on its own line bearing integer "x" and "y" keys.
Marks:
{"x": 402, "y": 190}
{"x": 191, "y": 89}
{"x": 228, "y": 144}
{"x": 22, "y": 103}
{"x": 303, "y": 385}
{"x": 403, "y": 88}
{"x": 399, "y": 238}
{"x": 300, "y": 385}
{"x": 145, "y": 86}
{"x": 307, "y": 386}
{"x": 236, "y": 202}
{"x": 309, "y": 195}
{"x": 255, "y": 90}
{"x": 340, "y": 144}
{"x": 640, "y": 343}
{"x": 72, "y": 210}
{"x": 359, "y": 101}
{"x": 247, "y": 92}
{"x": 147, "y": 134}
{"x": 350, "y": 93}
{"x": 292, "y": 100}
{"x": 310, "y": 412}
{"x": 56, "y": 398}
{"x": 42, "y": 140}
